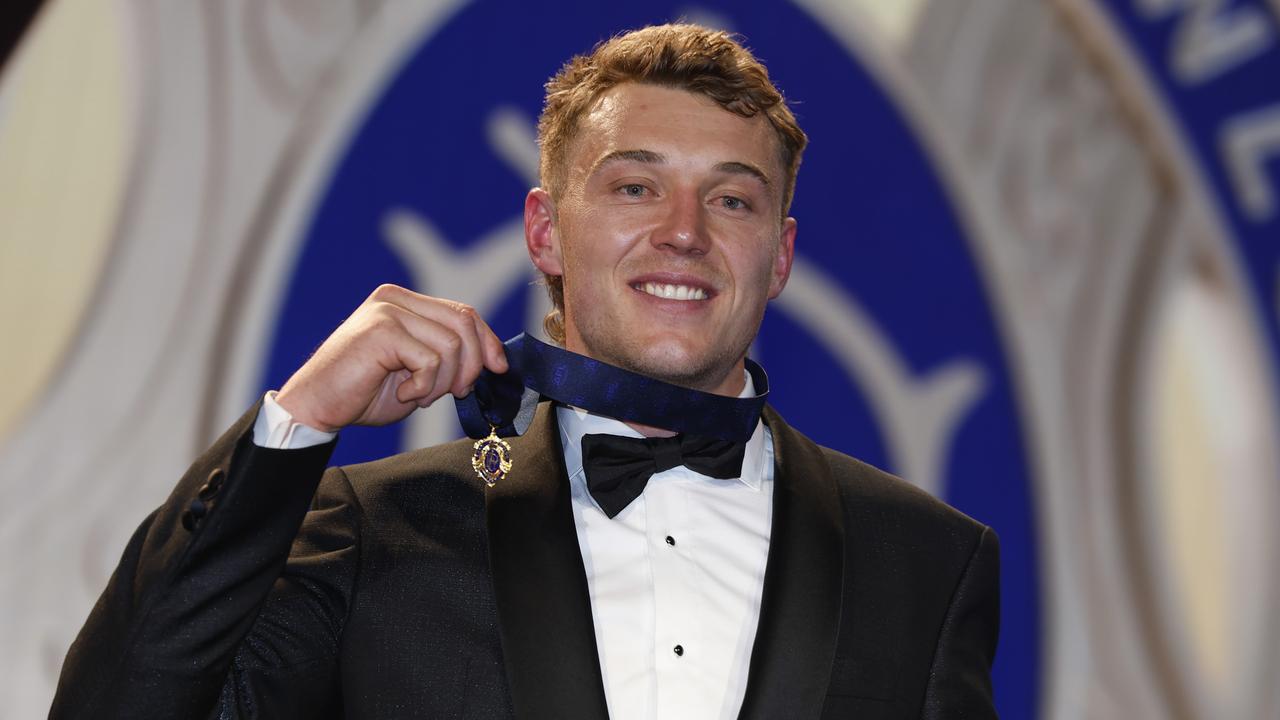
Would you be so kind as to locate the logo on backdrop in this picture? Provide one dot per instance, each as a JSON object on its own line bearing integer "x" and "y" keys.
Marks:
{"x": 1215, "y": 66}
{"x": 883, "y": 345}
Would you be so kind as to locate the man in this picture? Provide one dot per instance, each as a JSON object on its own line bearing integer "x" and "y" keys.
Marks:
{"x": 786, "y": 581}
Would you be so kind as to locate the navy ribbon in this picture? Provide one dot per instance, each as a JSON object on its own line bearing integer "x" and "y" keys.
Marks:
{"x": 506, "y": 401}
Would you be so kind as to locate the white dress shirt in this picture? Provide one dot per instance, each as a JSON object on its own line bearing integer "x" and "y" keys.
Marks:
{"x": 675, "y": 578}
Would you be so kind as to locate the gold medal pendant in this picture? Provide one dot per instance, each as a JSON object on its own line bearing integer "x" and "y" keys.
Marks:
{"x": 492, "y": 458}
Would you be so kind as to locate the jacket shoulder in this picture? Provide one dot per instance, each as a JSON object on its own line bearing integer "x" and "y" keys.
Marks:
{"x": 866, "y": 488}
{"x": 879, "y": 509}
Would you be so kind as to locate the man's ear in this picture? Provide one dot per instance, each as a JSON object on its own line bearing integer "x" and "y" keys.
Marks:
{"x": 782, "y": 261}
{"x": 540, "y": 235}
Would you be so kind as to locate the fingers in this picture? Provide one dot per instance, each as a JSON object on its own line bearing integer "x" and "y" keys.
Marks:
{"x": 455, "y": 342}
{"x": 431, "y": 353}
{"x": 398, "y": 350}
{"x": 495, "y": 353}
{"x": 416, "y": 382}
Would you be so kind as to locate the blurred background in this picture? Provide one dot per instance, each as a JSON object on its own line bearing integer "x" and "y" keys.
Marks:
{"x": 1037, "y": 275}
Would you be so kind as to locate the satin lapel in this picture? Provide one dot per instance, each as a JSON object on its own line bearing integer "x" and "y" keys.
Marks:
{"x": 544, "y": 608}
{"x": 800, "y": 610}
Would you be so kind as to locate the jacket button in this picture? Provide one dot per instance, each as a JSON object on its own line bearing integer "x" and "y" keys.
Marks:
{"x": 212, "y": 485}
{"x": 188, "y": 521}
{"x": 198, "y": 508}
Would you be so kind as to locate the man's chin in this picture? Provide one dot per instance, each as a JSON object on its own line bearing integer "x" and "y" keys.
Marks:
{"x": 678, "y": 365}
{"x": 690, "y": 362}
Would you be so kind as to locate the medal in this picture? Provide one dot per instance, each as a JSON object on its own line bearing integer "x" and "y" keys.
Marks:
{"x": 492, "y": 458}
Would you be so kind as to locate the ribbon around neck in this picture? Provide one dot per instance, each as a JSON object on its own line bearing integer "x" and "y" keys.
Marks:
{"x": 505, "y": 403}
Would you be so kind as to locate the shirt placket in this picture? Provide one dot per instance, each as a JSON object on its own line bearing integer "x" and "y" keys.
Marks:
{"x": 679, "y": 653}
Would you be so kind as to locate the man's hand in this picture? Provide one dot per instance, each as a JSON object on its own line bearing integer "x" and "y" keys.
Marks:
{"x": 398, "y": 351}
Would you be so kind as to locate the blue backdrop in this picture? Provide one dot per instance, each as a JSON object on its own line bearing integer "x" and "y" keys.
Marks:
{"x": 875, "y": 218}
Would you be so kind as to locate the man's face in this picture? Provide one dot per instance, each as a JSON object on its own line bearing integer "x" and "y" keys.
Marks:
{"x": 668, "y": 235}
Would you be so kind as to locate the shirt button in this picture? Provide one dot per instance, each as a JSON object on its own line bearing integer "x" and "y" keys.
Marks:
{"x": 671, "y": 540}
{"x": 678, "y": 650}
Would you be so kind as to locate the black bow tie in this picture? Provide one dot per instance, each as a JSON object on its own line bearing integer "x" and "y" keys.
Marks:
{"x": 618, "y": 468}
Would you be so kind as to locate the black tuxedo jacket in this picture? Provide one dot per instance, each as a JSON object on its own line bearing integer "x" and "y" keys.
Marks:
{"x": 409, "y": 590}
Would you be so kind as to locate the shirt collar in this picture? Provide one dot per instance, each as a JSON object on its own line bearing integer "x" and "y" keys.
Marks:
{"x": 576, "y": 422}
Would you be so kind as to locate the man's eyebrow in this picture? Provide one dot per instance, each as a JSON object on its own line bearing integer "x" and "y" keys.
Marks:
{"x": 732, "y": 167}
{"x": 741, "y": 168}
{"x": 643, "y": 156}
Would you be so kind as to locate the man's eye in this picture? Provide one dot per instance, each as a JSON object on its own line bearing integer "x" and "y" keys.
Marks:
{"x": 634, "y": 190}
{"x": 732, "y": 203}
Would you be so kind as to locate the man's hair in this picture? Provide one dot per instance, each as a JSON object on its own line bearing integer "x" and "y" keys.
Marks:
{"x": 685, "y": 57}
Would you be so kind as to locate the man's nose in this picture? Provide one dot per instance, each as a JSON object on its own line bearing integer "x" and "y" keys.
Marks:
{"x": 684, "y": 229}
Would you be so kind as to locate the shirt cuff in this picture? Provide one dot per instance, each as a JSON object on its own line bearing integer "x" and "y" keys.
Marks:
{"x": 276, "y": 429}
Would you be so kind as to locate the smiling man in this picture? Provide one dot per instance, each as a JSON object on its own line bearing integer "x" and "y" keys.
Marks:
{"x": 668, "y": 224}
{"x": 658, "y": 543}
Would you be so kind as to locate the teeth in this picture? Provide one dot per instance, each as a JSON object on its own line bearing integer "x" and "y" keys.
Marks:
{"x": 673, "y": 292}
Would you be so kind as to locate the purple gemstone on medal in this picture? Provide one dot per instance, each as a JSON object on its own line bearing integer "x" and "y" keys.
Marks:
{"x": 492, "y": 461}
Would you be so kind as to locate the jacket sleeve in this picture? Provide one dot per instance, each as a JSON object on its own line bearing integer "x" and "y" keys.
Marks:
{"x": 163, "y": 635}
{"x": 960, "y": 677}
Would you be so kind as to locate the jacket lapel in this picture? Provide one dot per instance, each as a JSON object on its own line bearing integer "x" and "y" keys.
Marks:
{"x": 800, "y": 610}
{"x": 544, "y": 606}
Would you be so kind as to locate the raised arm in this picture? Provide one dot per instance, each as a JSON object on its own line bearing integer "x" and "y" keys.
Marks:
{"x": 177, "y": 614}
{"x": 190, "y": 583}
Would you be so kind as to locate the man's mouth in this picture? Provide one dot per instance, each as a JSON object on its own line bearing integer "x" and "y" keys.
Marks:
{"x": 668, "y": 291}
